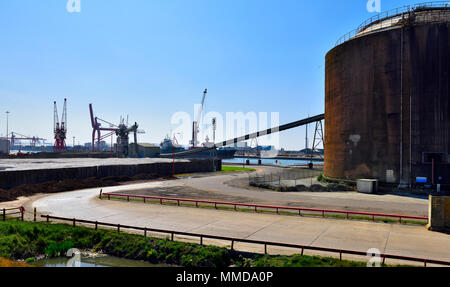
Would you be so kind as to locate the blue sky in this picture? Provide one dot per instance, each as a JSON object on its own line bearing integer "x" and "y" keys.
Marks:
{"x": 151, "y": 58}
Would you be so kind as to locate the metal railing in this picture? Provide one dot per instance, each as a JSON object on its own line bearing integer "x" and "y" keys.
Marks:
{"x": 261, "y": 208}
{"x": 233, "y": 240}
{"x": 391, "y": 18}
{"x": 12, "y": 213}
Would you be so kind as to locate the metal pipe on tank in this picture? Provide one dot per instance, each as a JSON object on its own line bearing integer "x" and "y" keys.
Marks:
{"x": 401, "y": 103}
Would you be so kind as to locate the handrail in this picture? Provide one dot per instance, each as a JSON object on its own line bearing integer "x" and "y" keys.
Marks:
{"x": 7, "y": 212}
{"x": 243, "y": 240}
{"x": 256, "y": 206}
{"x": 389, "y": 14}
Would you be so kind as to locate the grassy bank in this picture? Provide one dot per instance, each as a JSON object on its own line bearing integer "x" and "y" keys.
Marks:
{"x": 27, "y": 240}
{"x": 228, "y": 169}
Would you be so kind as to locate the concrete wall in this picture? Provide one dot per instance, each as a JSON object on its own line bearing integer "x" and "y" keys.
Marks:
{"x": 143, "y": 150}
{"x": 9, "y": 179}
{"x": 439, "y": 213}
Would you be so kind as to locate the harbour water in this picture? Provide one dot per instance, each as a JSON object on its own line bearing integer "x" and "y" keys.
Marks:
{"x": 272, "y": 161}
{"x": 96, "y": 261}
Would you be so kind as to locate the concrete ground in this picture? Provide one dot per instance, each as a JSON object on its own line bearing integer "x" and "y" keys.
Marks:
{"x": 236, "y": 186}
{"x": 397, "y": 239}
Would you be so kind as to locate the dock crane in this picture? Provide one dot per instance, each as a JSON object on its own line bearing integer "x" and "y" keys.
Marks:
{"x": 15, "y": 137}
{"x": 196, "y": 123}
{"x": 60, "y": 128}
{"x": 122, "y": 132}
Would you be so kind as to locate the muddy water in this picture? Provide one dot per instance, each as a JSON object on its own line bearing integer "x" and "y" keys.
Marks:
{"x": 96, "y": 261}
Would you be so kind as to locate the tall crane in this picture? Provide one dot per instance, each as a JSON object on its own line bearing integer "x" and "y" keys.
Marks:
{"x": 60, "y": 128}
{"x": 16, "y": 137}
{"x": 121, "y": 131}
{"x": 196, "y": 123}
{"x": 97, "y": 128}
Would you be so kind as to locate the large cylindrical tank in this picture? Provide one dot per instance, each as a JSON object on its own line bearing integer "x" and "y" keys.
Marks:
{"x": 387, "y": 112}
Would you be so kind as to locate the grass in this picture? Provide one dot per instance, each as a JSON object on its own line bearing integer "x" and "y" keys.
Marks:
{"x": 229, "y": 169}
{"x": 28, "y": 240}
{"x": 25, "y": 240}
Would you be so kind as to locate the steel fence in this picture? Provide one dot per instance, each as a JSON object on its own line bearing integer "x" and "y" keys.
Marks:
{"x": 234, "y": 240}
{"x": 260, "y": 207}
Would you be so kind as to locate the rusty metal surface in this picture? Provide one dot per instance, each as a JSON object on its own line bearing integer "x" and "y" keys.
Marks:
{"x": 373, "y": 84}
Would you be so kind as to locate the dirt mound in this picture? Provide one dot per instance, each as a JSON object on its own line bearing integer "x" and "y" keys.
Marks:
{"x": 69, "y": 185}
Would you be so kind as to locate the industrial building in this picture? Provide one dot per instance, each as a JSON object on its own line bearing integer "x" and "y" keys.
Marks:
{"x": 387, "y": 109}
{"x": 143, "y": 150}
{"x": 4, "y": 146}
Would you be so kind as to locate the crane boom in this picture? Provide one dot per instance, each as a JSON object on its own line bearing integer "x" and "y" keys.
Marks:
{"x": 196, "y": 123}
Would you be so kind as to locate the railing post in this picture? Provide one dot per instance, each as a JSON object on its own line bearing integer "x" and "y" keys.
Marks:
{"x": 171, "y": 236}
{"x": 96, "y": 225}
{"x": 47, "y": 218}
{"x": 100, "y": 196}
{"x": 22, "y": 211}
{"x": 145, "y": 232}
{"x": 425, "y": 263}
{"x": 232, "y": 244}
{"x": 128, "y": 198}
{"x": 373, "y": 218}
{"x": 196, "y": 204}
{"x": 215, "y": 205}
{"x": 73, "y": 220}
{"x": 303, "y": 249}
{"x": 340, "y": 255}
{"x": 265, "y": 248}
{"x": 4, "y": 214}
{"x": 109, "y": 197}
{"x": 160, "y": 201}
{"x": 256, "y": 209}
{"x": 118, "y": 228}
{"x": 178, "y": 202}
{"x": 201, "y": 240}
{"x": 144, "y": 199}
{"x": 34, "y": 214}
{"x": 323, "y": 213}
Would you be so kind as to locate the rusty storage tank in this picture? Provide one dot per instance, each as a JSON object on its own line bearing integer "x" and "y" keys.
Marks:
{"x": 387, "y": 109}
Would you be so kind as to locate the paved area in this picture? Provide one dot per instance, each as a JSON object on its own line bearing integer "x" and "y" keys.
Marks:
{"x": 413, "y": 241}
{"x": 32, "y": 164}
{"x": 236, "y": 186}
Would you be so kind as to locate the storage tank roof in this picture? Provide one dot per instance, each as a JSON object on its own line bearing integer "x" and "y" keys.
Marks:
{"x": 431, "y": 12}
